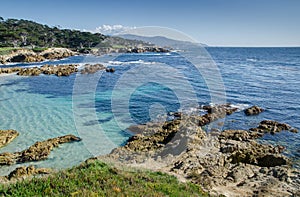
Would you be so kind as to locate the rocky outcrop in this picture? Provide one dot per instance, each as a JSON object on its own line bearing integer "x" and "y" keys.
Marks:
{"x": 6, "y": 136}
{"x": 239, "y": 135}
{"x": 145, "y": 49}
{"x": 58, "y": 70}
{"x": 10, "y": 70}
{"x": 254, "y": 110}
{"x": 25, "y": 172}
{"x": 232, "y": 162}
{"x": 57, "y": 53}
{"x": 28, "y": 55}
{"x": 35, "y": 71}
{"x": 271, "y": 126}
{"x": 110, "y": 70}
{"x": 214, "y": 113}
{"x": 92, "y": 68}
{"x": 36, "y": 152}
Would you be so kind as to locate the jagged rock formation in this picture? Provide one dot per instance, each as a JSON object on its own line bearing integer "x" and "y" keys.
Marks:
{"x": 90, "y": 69}
{"x": 254, "y": 110}
{"x": 271, "y": 126}
{"x": 230, "y": 163}
{"x": 36, "y": 152}
{"x": 10, "y": 70}
{"x": 58, "y": 70}
{"x": 25, "y": 172}
{"x": 28, "y": 55}
{"x": 6, "y": 136}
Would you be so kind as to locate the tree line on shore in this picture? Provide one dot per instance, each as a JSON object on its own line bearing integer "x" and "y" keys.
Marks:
{"x": 25, "y": 33}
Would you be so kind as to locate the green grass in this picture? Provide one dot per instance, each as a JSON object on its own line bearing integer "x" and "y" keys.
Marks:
{"x": 7, "y": 50}
{"x": 39, "y": 49}
{"x": 98, "y": 179}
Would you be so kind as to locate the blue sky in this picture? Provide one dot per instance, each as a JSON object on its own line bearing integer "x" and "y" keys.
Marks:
{"x": 214, "y": 22}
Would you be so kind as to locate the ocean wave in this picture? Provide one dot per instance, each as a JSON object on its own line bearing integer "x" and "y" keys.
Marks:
{"x": 251, "y": 60}
{"x": 240, "y": 106}
{"x": 130, "y": 62}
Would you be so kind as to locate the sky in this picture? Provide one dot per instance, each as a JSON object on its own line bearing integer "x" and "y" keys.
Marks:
{"x": 212, "y": 22}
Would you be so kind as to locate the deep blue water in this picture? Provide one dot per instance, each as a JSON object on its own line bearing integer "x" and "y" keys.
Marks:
{"x": 268, "y": 77}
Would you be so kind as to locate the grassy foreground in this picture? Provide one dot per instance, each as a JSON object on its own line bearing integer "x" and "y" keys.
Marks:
{"x": 95, "y": 178}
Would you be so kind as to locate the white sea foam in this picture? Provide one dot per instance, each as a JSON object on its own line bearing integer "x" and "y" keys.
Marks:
{"x": 251, "y": 59}
{"x": 130, "y": 62}
{"x": 240, "y": 106}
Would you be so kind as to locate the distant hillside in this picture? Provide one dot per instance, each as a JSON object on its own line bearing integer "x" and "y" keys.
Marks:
{"x": 23, "y": 33}
{"x": 162, "y": 41}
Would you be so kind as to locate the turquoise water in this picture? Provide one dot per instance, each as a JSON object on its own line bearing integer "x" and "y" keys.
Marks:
{"x": 99, "y": 107}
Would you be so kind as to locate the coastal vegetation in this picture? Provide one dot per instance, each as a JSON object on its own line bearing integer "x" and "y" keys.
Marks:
{"x": 95, "y": 178}
{"x": 22, "y": 33}
{"x": 25, "y": 33}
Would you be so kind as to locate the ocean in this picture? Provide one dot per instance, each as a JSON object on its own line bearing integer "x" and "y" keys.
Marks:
{"x": 146, "y": 87}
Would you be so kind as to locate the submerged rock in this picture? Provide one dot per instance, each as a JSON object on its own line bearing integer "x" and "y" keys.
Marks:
{"x": 36, "y": 152}
{"x": 254, "y": 110}
{"x": 6, "y": 136}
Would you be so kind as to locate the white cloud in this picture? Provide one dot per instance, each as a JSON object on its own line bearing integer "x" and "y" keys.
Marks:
{"x": 112, "y": 29}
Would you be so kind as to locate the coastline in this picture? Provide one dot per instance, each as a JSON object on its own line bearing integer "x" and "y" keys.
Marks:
{"x": 157, "y": 166}
{"x": 217, "y": 161}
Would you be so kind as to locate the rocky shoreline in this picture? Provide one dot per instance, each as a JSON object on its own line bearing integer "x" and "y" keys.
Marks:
{"x": 28, "y": 55}
{"x": 58, "y": 70}
{"x": 230, "y": 162}
{"x": 144, "y": 49}
{"x": 36, "y": 152}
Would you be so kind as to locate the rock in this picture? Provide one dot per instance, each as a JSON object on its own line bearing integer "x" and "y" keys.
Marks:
{"x": 271, "y": 126}
{"x": 58, "y": 70}
{"x": 7, "y": 158}
{"x": 215, "y": 112}
{"x": 272, "y": 160}
{"x": 240, "y": 135}
{"x": 254, "y": 110}
{"x": 29, "y": 72}
{"x": 10, "y": 70}
{"x": 229, "y": 162}
{"x": 36, "y": 152}
{"x": 294, "y": 130}
{"x": 6, "y": 136}
{"x": 57, "y": 53}
{"x": 90, "y": 69}
{"x": 111, "y": 70}
{"x": 147, "y": 49}
{"x": 41, "y": 150}
{"x": 24, "y": 172}
{"x": 26, "y": 57}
